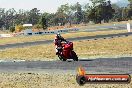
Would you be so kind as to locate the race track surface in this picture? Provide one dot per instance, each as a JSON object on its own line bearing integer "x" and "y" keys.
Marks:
{"x": 102, "y": 65}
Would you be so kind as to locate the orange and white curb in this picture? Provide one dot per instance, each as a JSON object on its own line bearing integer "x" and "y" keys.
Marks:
{"x": 83, "y": 78}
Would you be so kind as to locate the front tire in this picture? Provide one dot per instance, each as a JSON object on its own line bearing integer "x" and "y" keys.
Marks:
{"x": 61, "y": 58}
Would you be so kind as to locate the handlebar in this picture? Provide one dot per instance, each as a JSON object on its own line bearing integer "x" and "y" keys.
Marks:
{"x": 67, "y": 41}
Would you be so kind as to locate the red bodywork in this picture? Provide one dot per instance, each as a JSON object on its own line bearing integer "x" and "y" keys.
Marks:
{"x": 67, "y": 52}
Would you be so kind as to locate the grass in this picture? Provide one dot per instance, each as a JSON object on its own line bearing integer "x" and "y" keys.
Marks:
{"x": 95, "y": 48}
{"x": 51, "y": 37}
{"x": 68, "y": 35}
{"x": 115, "y": 46}
{"x": 103, "y": 24}
{"x": 44, "y": 80}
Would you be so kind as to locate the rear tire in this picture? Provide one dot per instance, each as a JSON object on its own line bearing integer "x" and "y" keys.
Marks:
{"x": 74, "y": 57}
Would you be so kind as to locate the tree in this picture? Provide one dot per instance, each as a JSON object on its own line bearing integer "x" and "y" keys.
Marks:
{"x": 97, "y": 2}
{"x": 9, "y": 18}
{"x": 101, "y": 11}
{"x": 130, "y": 13}
{"x": 108, "y": 11}
{"x": 12, "y": 29}
{"x": 34, "y": 16}
{"x": 44, "y": 22}
{"x": 1, "y": 23}
{"x": 22, "y": 17}
{"x": 62, "y": 13}
{"x": 130, "y": 1}
{"x": 79, "y": 14}
{"x": 37, "y": 26}
{"x": 130, "y": 9}
{"x": 118, "y": 13}
{"x": 125, "y": 14}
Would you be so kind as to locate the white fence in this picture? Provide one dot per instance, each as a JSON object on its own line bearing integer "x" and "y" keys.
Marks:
{"x": 6, "y": 35}
{"x": 39, "y": 33}
{"x": 48, "y": 32}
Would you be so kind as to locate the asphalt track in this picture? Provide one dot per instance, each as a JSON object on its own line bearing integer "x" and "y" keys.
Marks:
{"x": 101, "y": 65}
{"x": 121, "y": 65}
{"x": 106, "y": 27}
{"x": 19, "y": 45}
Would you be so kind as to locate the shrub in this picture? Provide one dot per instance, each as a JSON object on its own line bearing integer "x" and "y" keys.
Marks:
{"x": 37, "y": 26}
{"x": 19, "y": 28}
{"x": 12, "y": 29}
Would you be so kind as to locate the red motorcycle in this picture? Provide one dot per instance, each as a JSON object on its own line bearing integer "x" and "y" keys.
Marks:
{"x": 66, "y": 52}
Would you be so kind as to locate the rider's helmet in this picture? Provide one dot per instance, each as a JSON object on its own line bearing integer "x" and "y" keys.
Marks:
{"x": 58, "y": 35}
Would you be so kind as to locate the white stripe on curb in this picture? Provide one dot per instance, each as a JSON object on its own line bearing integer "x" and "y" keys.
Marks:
{"x": 12, "y": 60}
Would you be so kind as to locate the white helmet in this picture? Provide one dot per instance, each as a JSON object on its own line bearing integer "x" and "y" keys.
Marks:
{"x": 58, "y": 35}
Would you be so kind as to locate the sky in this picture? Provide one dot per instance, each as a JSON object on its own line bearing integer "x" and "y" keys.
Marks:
{"x": 43, "y": 5}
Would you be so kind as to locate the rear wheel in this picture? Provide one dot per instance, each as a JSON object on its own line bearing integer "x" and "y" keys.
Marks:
{"x": 74, "y": 56}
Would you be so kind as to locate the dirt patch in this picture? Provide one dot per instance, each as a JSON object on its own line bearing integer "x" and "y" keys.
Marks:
{"x": 47, "y": 80}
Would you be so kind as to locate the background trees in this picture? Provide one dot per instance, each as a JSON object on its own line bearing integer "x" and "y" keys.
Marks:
{"x": 99, "y": 11}
{"x": 34, "y": 16}
{"x": 44, "y": 22}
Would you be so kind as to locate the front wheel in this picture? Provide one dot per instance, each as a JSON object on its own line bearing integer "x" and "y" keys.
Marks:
{"x": 61, "y": 58}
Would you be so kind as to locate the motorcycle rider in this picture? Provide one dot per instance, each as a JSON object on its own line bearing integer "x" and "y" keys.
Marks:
{"x": 57, "y": 41}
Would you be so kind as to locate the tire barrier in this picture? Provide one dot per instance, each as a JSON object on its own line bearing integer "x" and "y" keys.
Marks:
{"x": 46, "y": 32}
{"x": 59, "y": 31}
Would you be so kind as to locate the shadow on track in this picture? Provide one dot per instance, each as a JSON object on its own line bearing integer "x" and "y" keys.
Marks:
{"x": 80, "y": 60}
{"x": 85, "y": 60}
{"x": 107, "y": 60}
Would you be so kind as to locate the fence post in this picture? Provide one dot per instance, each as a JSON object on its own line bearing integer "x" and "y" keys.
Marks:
{"x": 128, "y": 27}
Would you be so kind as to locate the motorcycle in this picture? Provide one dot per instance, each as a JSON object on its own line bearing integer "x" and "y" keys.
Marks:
{"x": 67, "y": 52}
